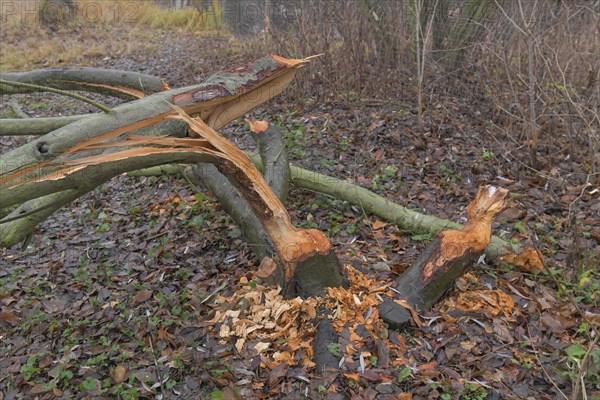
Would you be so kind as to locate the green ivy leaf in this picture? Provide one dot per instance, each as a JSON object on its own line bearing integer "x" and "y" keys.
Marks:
{"x": 405, "y": 373}
{"x": 335, "y": 349}
{"x": 576, "y": 351}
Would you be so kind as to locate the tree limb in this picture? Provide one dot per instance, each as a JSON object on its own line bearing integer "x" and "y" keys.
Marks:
{"x": 35, "y": 126}
{"x": 122, "y": 84}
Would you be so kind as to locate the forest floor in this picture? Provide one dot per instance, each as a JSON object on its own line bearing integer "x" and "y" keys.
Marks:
{"x": 144, "y": 288}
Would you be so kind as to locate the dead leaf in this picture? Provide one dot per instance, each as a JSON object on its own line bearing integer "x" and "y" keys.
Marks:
{"x": 118, "y": 373}
{"x": 412, "y": 311}
{"x": 352, "y": 377}
{"x": 141, "y": 296}
{"x": 428, "y": 366}
{"x": 378, "y": 224}
{"x": 9, "y": 317}
{"x": 45, "y": 362}
{"x": 39, "y": 388}
{"x": 502, "y": 331}
{"x": 277, "y": 374}
{"x": 552, "y": 323}
{"x": 468, "y": 345}
{"x": 54, "y": 306}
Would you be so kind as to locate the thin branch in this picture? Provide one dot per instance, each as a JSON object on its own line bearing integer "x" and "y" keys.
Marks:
{"x": 35, "y": 126}
{"x": 57, "y": 91}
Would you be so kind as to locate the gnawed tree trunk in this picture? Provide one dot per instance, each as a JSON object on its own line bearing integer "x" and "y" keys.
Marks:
{"x": 449, "y": 256}
{"x": 316, "y": 273}
{"x": 303, "y": 253}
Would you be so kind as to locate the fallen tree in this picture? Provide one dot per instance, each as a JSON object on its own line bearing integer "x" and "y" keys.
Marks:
{"x": 180, "y": 126}
{"x": 47, "y": 173}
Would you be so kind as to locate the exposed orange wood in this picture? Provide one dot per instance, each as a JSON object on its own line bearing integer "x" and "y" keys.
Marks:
{"x": 82, "y": 145}
{"x": 217, "y": 111}
{"x": 70, "y": 167}
{"x": 130, "y": 91}
{"x": 257, "y": 126}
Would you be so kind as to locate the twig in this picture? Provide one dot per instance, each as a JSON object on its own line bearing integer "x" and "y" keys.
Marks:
{"x": 579, "y": 383}
{"x": 159, "y": 234}
{"x": 214, "y": 293}
{"x": 57, "y": 91}
{"x": 158, "y": 373}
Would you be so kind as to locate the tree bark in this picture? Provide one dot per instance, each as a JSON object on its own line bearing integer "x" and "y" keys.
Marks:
{"x": 35, "y": 126}
{"x": 274, "y": 156}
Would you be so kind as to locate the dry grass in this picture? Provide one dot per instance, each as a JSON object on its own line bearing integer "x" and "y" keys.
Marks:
{"x": 96, "y": 29}
{"x": 44, "y": 48}
{"x": 189, "y": 19}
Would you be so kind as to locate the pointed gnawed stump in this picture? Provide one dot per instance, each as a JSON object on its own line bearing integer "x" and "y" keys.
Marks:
{"x": 449, "y": 256}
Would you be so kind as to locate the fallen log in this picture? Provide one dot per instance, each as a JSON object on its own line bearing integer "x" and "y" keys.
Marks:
{"x": 35, "y": 126}
{"x": 409, "y": 220}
